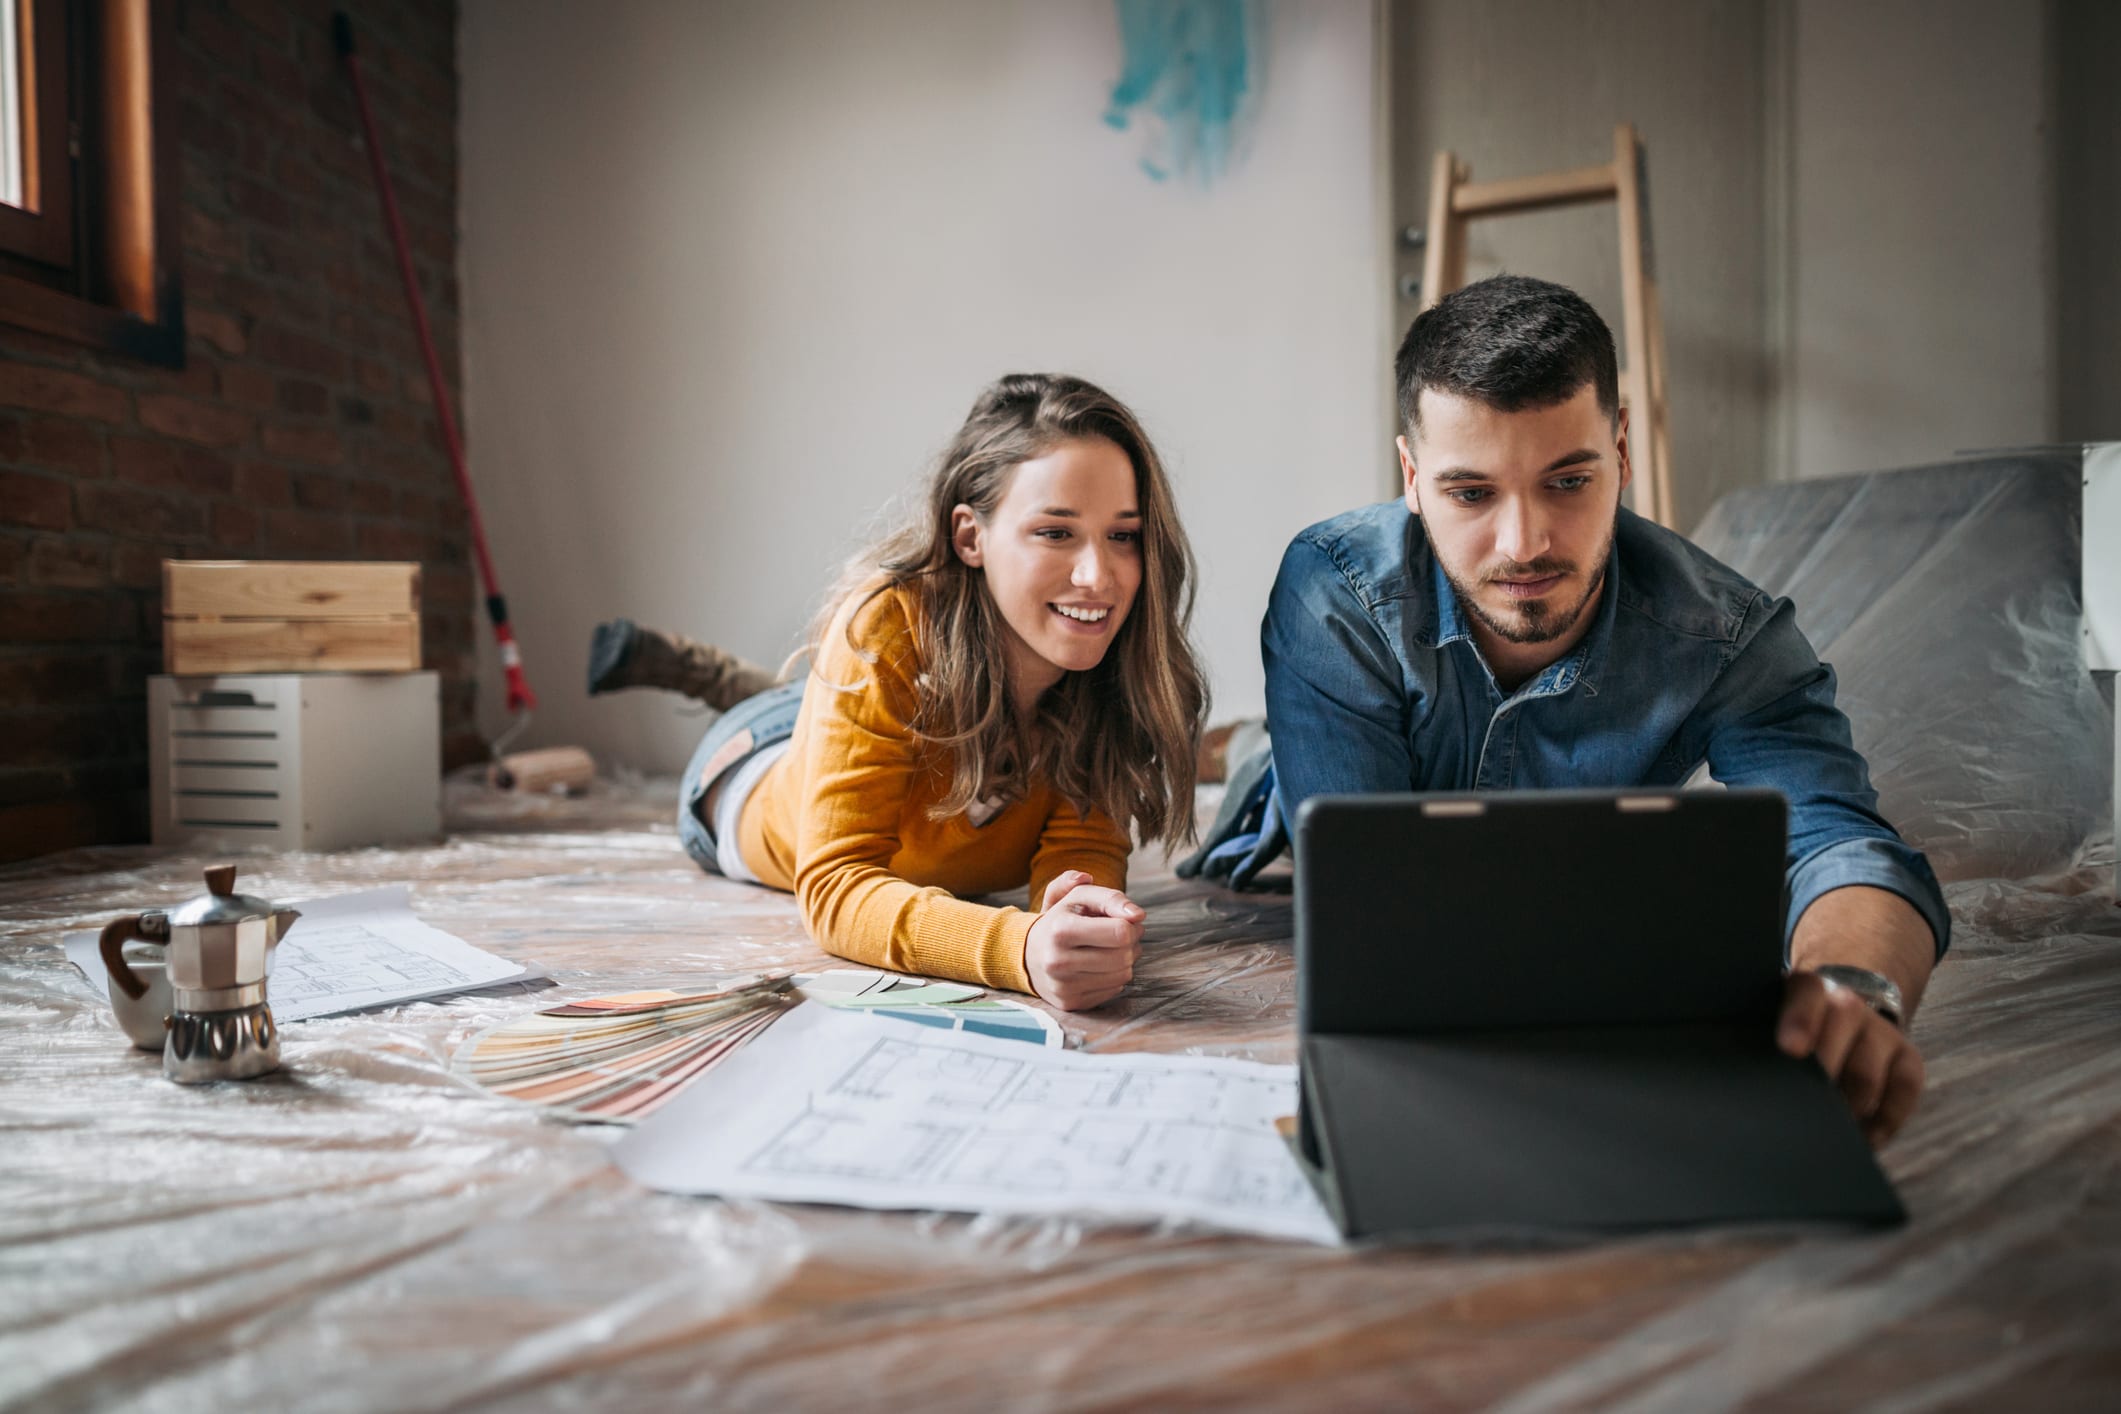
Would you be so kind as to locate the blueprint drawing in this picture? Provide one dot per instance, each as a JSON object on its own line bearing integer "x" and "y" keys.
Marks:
{"x": 839, "y": 1108}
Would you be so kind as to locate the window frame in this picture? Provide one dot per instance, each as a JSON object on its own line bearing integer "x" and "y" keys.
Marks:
{"x": 42, "y": 230}
{"x": 118, "y": 288}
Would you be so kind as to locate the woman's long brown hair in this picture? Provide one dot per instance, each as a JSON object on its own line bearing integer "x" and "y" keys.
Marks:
{"x": 1120, "y": 738}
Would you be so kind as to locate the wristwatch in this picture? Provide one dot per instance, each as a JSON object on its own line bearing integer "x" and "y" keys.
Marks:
{"x": 1878, "y": 993}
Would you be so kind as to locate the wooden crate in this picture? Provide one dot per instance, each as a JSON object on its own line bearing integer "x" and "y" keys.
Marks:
{"x": 281, "y": 616}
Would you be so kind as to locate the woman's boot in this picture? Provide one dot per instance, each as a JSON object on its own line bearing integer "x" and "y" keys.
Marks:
{"x": 623, "y": 654}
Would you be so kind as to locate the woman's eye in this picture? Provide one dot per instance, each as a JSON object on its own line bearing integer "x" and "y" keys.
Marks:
{"x": 1052, "y": 532}
{"x": 1127, "y": 537}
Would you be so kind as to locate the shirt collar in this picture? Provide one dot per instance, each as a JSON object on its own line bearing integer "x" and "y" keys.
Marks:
{"x": 1585, "y": 663}
{"x": 1450, "y": 614}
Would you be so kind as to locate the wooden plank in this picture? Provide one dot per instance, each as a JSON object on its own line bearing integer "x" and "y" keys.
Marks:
{"x": 1536, "y": 193}
{"x": 1635, "y": 384}
{"x": 1660, "y": 404}
{"x": 1436, "y": 261}
{"x": 289, "y": 589}
{"x": 202, "y": 646}
{"x": 1454, "y": 267}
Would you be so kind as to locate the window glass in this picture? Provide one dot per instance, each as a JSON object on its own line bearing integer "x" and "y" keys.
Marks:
{"x": 11, "y": 124}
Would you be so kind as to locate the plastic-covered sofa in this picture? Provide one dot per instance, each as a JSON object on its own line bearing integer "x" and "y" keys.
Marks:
{"x": 1946, "y": 598}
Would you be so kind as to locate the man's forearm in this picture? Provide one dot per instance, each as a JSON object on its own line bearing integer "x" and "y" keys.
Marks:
{"x": 1862, "y": 926}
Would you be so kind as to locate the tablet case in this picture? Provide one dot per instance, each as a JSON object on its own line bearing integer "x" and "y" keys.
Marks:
{"x": 1553, "y": 1012}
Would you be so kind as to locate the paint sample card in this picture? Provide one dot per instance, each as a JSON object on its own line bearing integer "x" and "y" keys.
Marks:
{"x": 946, "y": 1006}
{"x": 615, "y": 1059}
{"x": 829, "y": 1107}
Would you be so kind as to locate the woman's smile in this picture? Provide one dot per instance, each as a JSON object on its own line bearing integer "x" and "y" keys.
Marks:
{"x": 1084, "y": 618}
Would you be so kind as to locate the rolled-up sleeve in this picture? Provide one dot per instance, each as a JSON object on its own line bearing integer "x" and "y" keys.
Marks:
{"x": 1772, "y": 722}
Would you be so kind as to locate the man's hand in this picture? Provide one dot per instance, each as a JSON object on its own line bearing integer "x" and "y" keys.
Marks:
{"x": 1082, "y": 949}
{"x": 1875, "y": 1064}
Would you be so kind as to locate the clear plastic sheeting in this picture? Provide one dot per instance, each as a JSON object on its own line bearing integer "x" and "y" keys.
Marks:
{"x": 1946, "y": 597}
{"x": 362, "y": 1232}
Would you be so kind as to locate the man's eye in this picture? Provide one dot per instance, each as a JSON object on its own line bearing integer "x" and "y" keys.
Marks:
{"x": 1471, "y": 496}
{"x": 1572, "y": 483}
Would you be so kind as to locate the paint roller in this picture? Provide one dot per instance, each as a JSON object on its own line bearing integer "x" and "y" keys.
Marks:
{"x": 566, "y": 768}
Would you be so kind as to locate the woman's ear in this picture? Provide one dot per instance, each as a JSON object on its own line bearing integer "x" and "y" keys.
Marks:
{"x": 965, "y": 535}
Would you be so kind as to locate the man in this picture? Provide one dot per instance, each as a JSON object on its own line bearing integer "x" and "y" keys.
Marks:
{"x": 1512, "y": 627}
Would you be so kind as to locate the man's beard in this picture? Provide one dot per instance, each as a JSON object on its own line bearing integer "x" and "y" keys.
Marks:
{"x": 1531, "y": 620}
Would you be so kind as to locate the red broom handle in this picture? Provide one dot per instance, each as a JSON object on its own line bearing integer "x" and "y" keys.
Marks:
{"x": 520, "y": 697}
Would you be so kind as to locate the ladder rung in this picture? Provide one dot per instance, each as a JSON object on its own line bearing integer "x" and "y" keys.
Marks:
{"x": 1533, "y": 193}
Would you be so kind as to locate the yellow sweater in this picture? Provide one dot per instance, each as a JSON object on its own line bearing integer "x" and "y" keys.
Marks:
{"x": 842, "y": 820}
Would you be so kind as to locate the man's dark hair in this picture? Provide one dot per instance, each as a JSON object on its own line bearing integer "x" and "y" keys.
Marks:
{"x": 1511, "y": 342}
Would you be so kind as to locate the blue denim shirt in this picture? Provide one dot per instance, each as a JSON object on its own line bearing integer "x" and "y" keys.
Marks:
{"x": 1374, "y": 684}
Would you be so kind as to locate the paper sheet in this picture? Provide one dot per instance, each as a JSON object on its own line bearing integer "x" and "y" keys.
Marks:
{"x": 354, "y": 952}
{"x": 835, "y": 1108}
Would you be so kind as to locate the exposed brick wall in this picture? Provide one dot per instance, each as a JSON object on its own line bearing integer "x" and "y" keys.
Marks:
{"x": 301, "y": 427}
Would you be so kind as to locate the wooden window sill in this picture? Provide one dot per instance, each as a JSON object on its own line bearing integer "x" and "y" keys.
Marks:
{"x": 26, "y": 304}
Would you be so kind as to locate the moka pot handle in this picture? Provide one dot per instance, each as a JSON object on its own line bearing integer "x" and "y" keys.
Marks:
{"x": 116, "y": 934}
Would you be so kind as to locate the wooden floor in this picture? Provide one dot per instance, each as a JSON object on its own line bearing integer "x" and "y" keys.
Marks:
{"x": 360, "y": 1232}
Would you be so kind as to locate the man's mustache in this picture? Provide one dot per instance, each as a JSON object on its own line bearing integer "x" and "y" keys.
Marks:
{"x": 1537, "y": 569}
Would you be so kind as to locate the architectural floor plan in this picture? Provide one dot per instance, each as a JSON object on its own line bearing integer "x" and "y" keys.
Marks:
{"x": 828, "y": 1107}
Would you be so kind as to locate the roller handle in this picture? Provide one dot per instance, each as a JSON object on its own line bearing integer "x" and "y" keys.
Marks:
{"x": 520, "y": 698}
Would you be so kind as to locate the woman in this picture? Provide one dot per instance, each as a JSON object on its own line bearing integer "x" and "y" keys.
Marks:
{"x": 1001, "y": 692}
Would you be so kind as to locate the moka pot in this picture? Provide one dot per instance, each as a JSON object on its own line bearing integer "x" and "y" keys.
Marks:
{"x": 220, "y": 1026}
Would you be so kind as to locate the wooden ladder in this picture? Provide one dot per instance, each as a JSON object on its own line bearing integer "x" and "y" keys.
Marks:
{"x": 1455, "y": 199}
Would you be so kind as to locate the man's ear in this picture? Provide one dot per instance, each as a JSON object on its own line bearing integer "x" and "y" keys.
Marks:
{"x": 965, "y": 535}
{"x": 1406, "y": 471}
{"x": 1620, "y": 450}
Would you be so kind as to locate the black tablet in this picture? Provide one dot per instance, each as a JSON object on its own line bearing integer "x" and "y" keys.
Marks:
{"x": 1554, "y": 1012}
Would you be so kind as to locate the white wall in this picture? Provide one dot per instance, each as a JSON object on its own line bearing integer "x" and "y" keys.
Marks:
{"x": 1921, "y": 233}
{"x": 733, "y": 273}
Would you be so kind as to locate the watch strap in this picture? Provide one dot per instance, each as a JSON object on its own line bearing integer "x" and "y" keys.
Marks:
{"x": 1878, "y": 992}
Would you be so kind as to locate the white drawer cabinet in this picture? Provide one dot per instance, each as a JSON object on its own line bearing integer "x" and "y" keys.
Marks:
{"x": 295, "y": 760}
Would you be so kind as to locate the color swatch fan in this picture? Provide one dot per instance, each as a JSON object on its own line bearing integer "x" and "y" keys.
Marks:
{"x": 619, "y": 1058}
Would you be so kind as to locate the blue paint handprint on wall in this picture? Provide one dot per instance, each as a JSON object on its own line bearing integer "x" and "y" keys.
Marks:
{"x": 1192, "y": 74}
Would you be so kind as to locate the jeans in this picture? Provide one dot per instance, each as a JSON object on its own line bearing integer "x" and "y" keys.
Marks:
{"x": 769, "y": 718}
